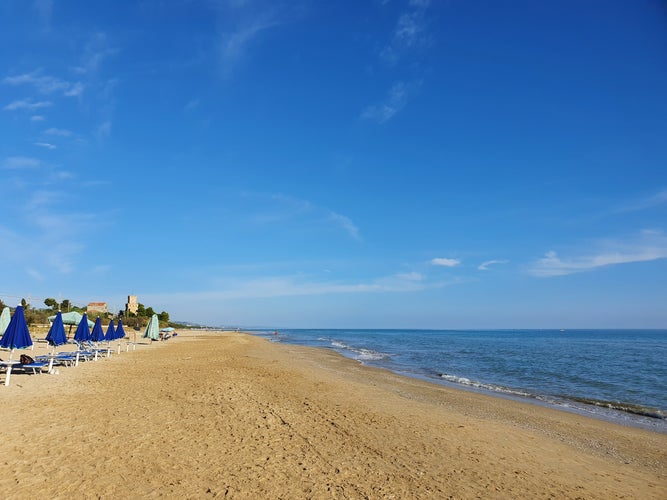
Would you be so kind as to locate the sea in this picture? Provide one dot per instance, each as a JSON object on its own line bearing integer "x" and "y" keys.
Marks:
{"x": 613, "y": 375}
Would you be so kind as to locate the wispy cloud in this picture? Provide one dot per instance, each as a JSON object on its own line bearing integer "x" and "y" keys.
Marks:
{"x": 61, "y": 132}
{"x": 299, "y": 285}
{"x": 74, "y": 90}
{"x": 46, "y": 145}
{"x": 409, "y": 33}
{"x": 21, "y": 162}
{"x": 445, "y": 262}
{"x": 45, "y": 84}
{"x": 234, "y": 45}
{"x": 44, "y": 9}
{"x": 28, "y": 104}
{"x": 36, "y": 275}
{"x": 50, "y": 239}
{"x": 287, "y": 208}
{"x": 648, "y": 246}
{"x": 651, "y": 201}
{"x": 95, "y": 52}
{"x": 192, "y": 104}
{"x": 101, "y": 269}
{"x": 103, "y": 130}
{"x": 395, "y": 101}
{"x": 37, "y": 118}
{"x": 345, "y": 223}
{"x": 484, "y": 266}
{"x": 56, "y": 234}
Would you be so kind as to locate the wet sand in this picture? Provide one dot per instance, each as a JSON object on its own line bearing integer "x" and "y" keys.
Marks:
{"x": 232, "y": 415}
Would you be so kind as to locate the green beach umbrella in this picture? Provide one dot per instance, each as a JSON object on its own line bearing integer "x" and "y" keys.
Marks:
{"x": 4, "y": 320}
{"x": 72, "y": 318}
{"x": 152, "y": 329}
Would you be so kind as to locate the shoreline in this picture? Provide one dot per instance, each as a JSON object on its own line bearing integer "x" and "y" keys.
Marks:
{"x": 233, "y": 414}
{"x": 616, "y": 411}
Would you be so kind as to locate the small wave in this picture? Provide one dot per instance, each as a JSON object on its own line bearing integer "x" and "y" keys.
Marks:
{"x": 624, "y": 407}
{"x": 634, "y": 409}
{"x": 480, "y": 385}
{"x": 359, "y": 354}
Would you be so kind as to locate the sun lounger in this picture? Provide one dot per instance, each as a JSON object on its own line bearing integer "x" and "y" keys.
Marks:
{"x": 33, "y": 368}
{"x": 13, "y": 366}
{"x": 8, "y": 365}
{"x": 60, "y": 359}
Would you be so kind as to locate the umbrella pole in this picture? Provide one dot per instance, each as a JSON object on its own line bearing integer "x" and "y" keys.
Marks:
{"x": 53, "y": 355}
{"x": 9, "y": 367}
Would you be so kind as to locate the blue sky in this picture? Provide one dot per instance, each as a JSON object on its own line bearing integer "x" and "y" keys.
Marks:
{"x": 387, "y": 164}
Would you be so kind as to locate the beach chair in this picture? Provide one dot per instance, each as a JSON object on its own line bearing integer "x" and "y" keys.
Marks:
{"x": 14, "y": 366}
{"x": 7, "y": 366}
{"x": 34, "y": 368}
{"x": 59, "y": 359}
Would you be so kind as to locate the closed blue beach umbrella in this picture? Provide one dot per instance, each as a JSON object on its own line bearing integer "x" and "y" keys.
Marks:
{"x": 16, "y": 335}
{"x": 111, "y": 332}
{"x": 82, "y": 331}
{"x": 5, "y": 317}
{"x": 98, "y": 334}
{"x": 120, "y": 333}
{"x": 56, "y": 335}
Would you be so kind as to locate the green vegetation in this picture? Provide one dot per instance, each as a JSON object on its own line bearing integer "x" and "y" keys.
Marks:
{"x": 36, "y": 316}
{"x": 140, "y": 319}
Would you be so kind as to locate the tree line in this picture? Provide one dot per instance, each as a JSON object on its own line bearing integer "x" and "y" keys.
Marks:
{"x": 35, "y": 315}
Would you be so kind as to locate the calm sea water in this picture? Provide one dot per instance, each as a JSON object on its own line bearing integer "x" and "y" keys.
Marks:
{"x": 618, "y": 375}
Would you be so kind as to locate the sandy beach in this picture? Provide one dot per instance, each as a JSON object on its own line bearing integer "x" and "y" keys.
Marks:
{"x": 231, "y": 415}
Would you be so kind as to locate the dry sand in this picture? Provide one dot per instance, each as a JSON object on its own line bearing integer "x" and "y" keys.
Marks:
{"x": 227, "y": 414}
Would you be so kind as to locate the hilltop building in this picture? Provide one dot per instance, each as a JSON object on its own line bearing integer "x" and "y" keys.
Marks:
{"x": 132, "y": 305}
{"x": 97, "y": 307}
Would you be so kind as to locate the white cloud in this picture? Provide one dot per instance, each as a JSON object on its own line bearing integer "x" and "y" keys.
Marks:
{"x": 289, "y": 286}
{"x": 103, "y": 131}
{"x": 45, "y": 84}
{"x": 44, "y": 9}
{"x": 63, "y": 175}
{"x": 411, "y": 276}
{"x": 410, "y": 31}
{"x": 50, "y": 238}
{"x": 37, "y": 118}
{"x": 45, "y": 145}
{"x": 441, "y": 261}
{"x": 34, "y": 273}
{"x": 21, "y": 162}
{"x": 234, "y": 45}
{"x": 28, "y": 104}
{"x": 95, "y": 52}
{"x": 75, "y": 90}
{"x": 59, "y": 132}
{"x": 192, "y": 104}
{"x": 345, "y": 223}
{"x": 287, "y": 208}
{"x": 101, "y": 269}
{"x": 654, "y": 200}
{"x": 649, "y": 246}
{"x": 395, "y": 101}
{"x": 484, "y": 266}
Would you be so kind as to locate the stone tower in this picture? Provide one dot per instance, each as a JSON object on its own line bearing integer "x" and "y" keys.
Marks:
{"x": 132, "y": 305}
